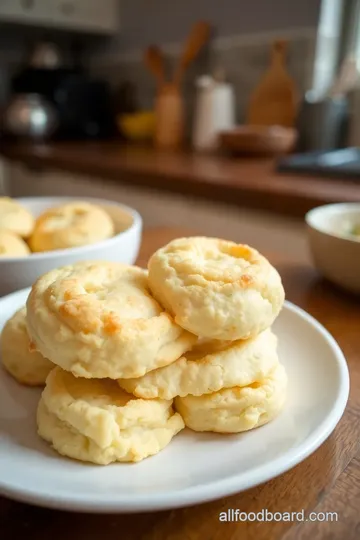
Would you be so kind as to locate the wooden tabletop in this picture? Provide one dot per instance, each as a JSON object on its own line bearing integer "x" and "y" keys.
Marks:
{"x": 243, "y": 182}
{"x": 327, "y": 481}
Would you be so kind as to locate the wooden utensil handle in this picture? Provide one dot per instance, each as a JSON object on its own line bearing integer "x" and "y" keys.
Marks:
{"x": 155, "y": 63}
{"x": 196, "y": 40}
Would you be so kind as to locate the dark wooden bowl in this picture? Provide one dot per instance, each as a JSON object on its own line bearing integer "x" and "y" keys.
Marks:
{"x": 259, "y": 140}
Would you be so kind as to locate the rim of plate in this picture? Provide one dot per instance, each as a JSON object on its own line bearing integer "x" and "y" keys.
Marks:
{"x": 213, "y": 490}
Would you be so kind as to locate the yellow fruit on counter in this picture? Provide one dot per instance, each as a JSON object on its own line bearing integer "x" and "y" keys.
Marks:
{"x": 138, "y": 126}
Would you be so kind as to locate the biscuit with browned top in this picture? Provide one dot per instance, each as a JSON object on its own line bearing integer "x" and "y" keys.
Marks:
{"x": 216, "y": 289}
{"x": 100, "y": 320}
{"x": 71, "y": 225}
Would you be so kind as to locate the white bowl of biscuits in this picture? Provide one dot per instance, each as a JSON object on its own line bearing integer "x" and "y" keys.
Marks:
{"x": 133, "y": 356}
{"x": 38, "y": 234}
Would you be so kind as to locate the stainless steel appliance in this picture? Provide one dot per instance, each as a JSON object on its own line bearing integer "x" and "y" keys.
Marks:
{"x": 63, "y": 103}
{"x": 31, "y": 116}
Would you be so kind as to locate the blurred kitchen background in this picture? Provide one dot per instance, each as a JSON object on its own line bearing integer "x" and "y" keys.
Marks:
{"x": 232, "y": 119}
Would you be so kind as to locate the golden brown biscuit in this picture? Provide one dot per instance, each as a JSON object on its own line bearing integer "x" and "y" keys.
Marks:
{"x": 237, "y": 409}
{"x": 216, "y": 289}
{"x": 94, "y": 420}
{"x": 15, "y": 218}
{"x": 209, "y": 367}
{"x": 26, "y": 366}
{"x": 71, "y": 225}
{"x": 12, "y": 245}
{"x": 98, "y": 408}
{"x": 99, "y": 320}
{"x": 130, "y": 445}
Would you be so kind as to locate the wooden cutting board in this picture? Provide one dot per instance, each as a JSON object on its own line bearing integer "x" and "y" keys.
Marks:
{"x": 275, "y": 99}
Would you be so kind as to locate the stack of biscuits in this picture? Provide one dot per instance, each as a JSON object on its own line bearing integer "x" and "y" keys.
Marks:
{"x": 140, "y": 354}
{"x": 228, "y": 295}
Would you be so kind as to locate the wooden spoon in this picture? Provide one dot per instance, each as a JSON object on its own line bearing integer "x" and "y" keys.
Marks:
{"x": 196, "y": 40}
{"x": 155, "y": 62}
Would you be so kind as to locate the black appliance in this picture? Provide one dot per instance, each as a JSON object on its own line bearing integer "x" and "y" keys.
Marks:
{"x": 342, "y": 163}
{"x": 83, "y": 104}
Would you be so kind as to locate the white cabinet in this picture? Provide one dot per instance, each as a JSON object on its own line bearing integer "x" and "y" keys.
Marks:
{"x": 93, "y": 16}
{"x": 87, "y": 15}
{"x": 25, "y": 11}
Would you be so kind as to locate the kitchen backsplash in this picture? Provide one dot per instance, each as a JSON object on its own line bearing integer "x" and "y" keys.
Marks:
{"x": 243, "y": 32}
{"x": 243, "y": 58}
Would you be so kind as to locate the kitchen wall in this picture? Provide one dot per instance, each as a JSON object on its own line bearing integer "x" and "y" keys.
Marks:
{"x": 243, "y": 31}
{"x": 164, "y": 21}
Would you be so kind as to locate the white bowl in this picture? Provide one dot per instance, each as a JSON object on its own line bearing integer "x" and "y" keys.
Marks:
{"x": 336, "y": 253}
{"x": 19, "y": 272}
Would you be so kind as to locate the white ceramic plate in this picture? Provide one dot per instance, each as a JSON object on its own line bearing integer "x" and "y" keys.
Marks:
{"x": 195, "y": 467}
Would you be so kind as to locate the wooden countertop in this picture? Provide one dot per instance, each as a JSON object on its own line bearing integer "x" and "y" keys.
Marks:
{"x": 244, "y": 182}
{"x": 327, "y": 481}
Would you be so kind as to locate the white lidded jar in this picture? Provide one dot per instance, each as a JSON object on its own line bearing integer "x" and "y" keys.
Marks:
{"x": 215, "y": 112}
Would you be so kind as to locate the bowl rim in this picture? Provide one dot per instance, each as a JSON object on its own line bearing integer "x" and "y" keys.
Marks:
{"x": 58, "y": 253}
{"x": 328, "y": 208}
